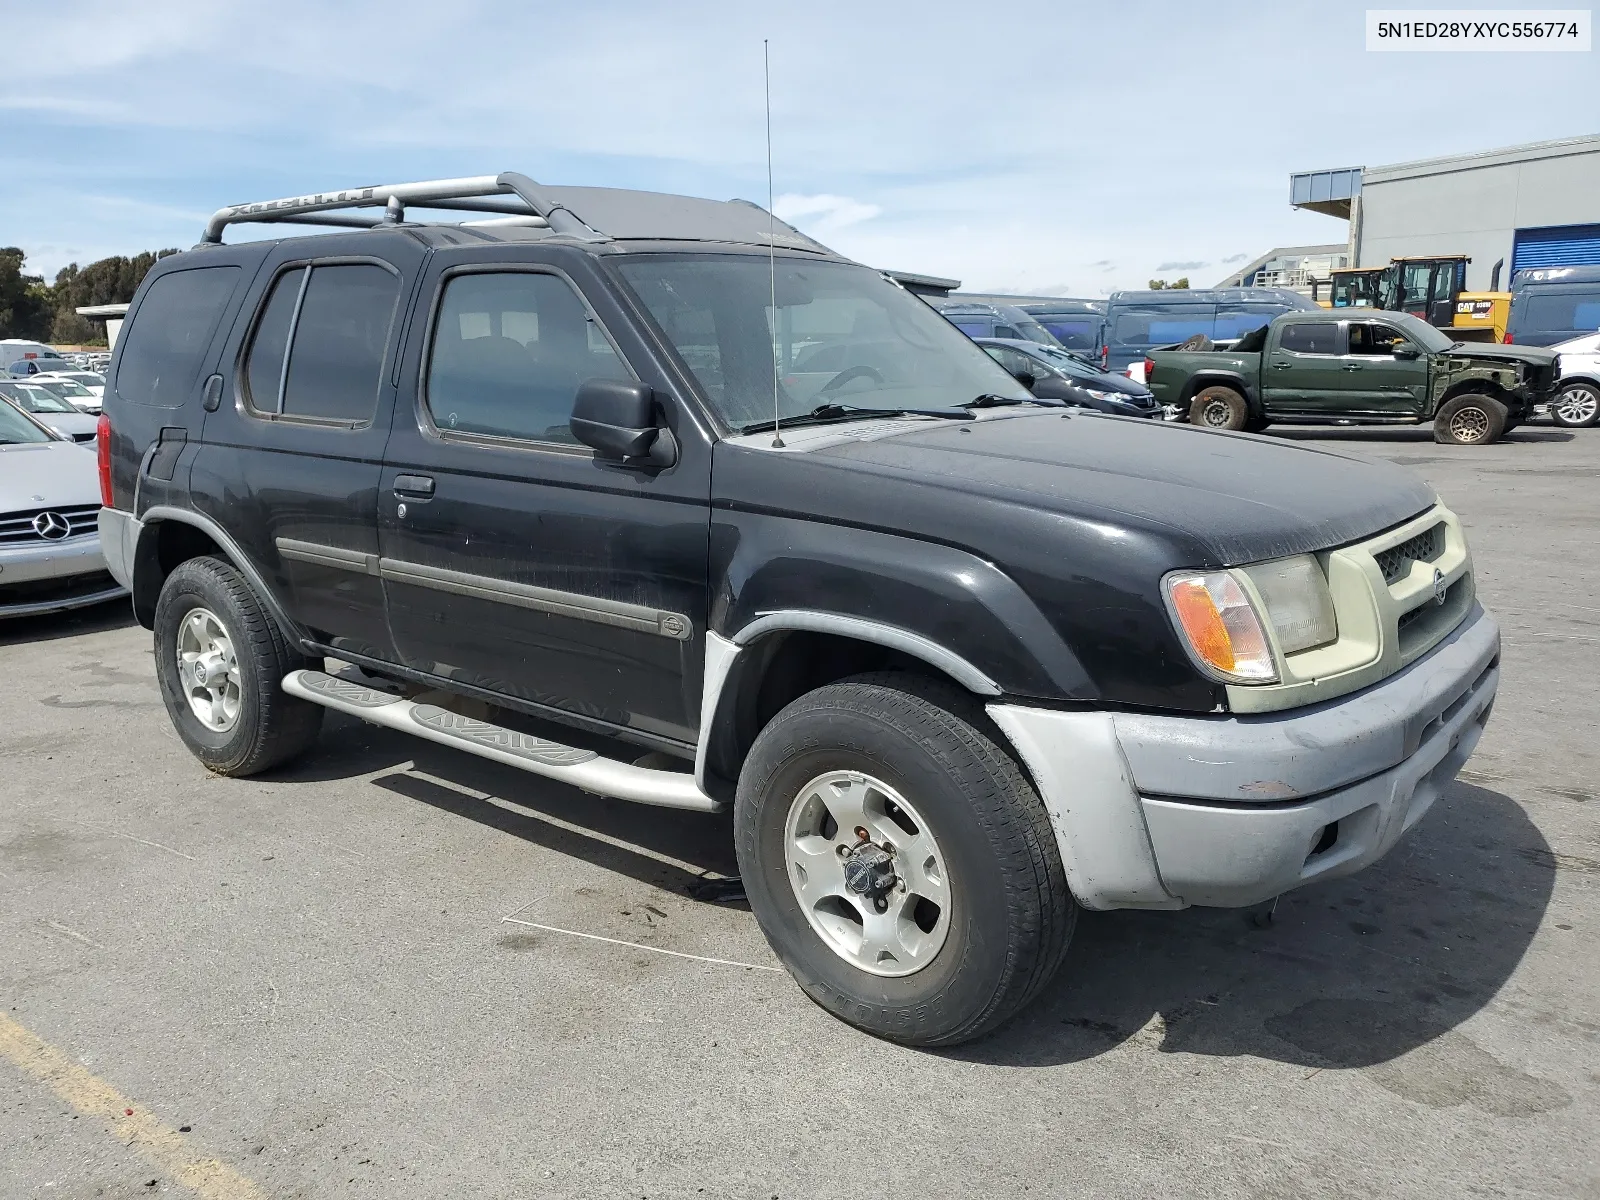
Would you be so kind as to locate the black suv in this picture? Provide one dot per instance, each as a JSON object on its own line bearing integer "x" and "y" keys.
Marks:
{"x": 959, "y": 662}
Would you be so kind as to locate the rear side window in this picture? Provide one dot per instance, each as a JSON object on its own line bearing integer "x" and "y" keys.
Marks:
{"x": 335, "y": 319}
{"x": 1560, "y": 310}
{"x": 1075, "y": 333}
{"x": 1162, "y": 325}
{"x": 164, "y": 349}
{"x": 975, "y": 328}
{"x": 509, "y": 353}
{"x": 1310, "y": 338}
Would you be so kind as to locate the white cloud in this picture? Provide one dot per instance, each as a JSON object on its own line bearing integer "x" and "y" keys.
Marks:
{"x": 823, "y": 214}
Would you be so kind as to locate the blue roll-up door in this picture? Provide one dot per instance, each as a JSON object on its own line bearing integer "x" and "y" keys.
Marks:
{"x": 1556, "y": 246}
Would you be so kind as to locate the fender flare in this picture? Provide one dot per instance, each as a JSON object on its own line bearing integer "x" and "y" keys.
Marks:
{"x": 723, "y": 653}
{"x": 144, "y": 559}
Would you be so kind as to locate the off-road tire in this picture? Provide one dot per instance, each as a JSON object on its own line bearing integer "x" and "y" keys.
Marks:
{"x": 272, "y": 726}
{"x": 1012, "y": 914}
{"x": 1219, "y": 407}
{"x": 1470, "y": 419}
{"x": 1582, "y": 404}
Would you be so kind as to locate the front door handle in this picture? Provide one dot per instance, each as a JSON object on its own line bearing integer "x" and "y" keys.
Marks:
{"x": 1352, "y": 366}
{"x": 413, "y": 487}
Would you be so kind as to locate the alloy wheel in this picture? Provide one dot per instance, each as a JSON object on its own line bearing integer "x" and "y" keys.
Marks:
{"x": 1576, "y": 406}
{"x": 208, "y": 670}
{"x": 868, "y": 873}
{"x": 1469, "y": 425}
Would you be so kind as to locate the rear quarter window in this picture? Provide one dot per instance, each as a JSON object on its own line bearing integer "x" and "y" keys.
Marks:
{"x": 1559, "y": 309}
{"x": 163, "y": 349}
{"x": 1075, "y": 333}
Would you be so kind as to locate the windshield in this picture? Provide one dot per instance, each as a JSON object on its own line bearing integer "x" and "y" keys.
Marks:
{"x": 1419, "y": 331}
{"x": 16, "y": 429}
{"x": 64, "y": 387}
{"x": 35, "y": 399}
{"x": 1068, "y": 364}
{"x": 842, "y": 334}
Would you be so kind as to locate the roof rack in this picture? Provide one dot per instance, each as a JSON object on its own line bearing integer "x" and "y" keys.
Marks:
{"x": 526, "y": 204}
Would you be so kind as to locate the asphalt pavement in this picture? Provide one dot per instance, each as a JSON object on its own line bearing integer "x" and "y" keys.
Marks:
{"x": 398, "y": 971}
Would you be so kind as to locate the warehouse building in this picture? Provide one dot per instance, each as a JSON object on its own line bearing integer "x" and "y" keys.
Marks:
{"x": 1510, "y": 209}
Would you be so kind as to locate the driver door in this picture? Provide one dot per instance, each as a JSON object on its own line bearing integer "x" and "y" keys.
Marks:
{"x": 1383, "y": 384}
{"x": 514, "y": 560}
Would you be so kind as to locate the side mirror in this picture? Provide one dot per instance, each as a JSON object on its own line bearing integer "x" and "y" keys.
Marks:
{"x": 1026, "y": 378}
{"x": 618, "y": 419}
{"x": 1407, "y": 352}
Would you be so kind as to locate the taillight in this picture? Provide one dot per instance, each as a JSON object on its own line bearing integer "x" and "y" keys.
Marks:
{"x": 1149, "y": 368}
{"x": 1105, "y": 358}
{"x": 1509, "y": 339}
{"x": 102, "y": 448}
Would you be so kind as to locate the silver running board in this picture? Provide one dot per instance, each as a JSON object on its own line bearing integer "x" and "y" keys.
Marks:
{"x": 582, "y": 768}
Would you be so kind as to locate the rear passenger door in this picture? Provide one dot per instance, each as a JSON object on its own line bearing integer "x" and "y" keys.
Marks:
{"x": 293, "y": 452}
{"x": 514, "y": 560}
{"x": 1301, "y": 371}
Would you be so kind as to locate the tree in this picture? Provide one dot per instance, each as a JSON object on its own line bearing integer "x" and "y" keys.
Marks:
{"x": 1157, "y": 285}
{"x": 108, "y": 281}
{"x": 25, "y": 301}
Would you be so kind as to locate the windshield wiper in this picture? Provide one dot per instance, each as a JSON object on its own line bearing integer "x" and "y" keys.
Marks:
{"x": 991, "y": 400}
{"x": 824, "y": 414}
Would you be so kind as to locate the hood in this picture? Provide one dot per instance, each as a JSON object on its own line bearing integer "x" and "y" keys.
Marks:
{"x": 1215, "y": 499}
{"x": 48, "y": 475}
{"x": 1533, "y": 355}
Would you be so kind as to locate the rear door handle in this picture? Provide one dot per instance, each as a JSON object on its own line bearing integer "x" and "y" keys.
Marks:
{"x": 1281, "y": 366}
{"x": 413, "y": 487}
{"x": 1352, "y": 366}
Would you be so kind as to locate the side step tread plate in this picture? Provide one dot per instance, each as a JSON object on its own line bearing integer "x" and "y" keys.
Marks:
{"x": 582, "y": 768}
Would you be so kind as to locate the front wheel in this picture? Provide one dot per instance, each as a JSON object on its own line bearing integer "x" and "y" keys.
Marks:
{"x": 1576, "y": 406}
{"x": 220, "y": 661}
{"x": 898, "y": 861}
{"x": 1473, "y": 419}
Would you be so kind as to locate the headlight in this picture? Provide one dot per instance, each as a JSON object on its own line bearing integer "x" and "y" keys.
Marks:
{"x": 1298, "y": 603}
{"x": 1227, "y": 628}
{"x": 1102, "y": 395}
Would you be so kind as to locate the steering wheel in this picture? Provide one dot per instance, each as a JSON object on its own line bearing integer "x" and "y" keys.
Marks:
{"x": 846, "y": 375}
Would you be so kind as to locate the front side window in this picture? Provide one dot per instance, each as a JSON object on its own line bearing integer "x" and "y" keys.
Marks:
{"x": 161, "y": 354}
{"x": 510, "y": 351}
{"x": 1374, "y": 339}
{"x": 1313, "y": 337}
{"x": 840, "y": 334}
{"x": 335, "y": 319}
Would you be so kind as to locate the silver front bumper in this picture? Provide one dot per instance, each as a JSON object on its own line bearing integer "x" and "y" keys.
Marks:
{"x": 72, "y": 563}
{"x": 1165, "y": 812}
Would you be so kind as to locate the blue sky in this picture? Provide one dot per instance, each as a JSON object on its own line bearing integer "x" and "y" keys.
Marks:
{"x": 1063, "y": 148}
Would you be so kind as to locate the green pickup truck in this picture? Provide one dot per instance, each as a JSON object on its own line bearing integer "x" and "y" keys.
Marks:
{"x": 1367, "y": 368}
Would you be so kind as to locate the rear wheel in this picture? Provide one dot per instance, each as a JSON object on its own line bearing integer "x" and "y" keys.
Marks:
{"x": 1576, "y": 406}
{"x": 1473, "y": 419}
{"x": 220, "y": 660}
{"x": 1219, "y": 408}
{"x": 899, "y": 862}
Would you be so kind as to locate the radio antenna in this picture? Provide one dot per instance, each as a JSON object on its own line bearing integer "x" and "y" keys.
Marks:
{"x": 772, "y": 254}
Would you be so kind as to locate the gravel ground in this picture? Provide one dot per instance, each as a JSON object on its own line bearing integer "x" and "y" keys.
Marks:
{"x": 346, "y": 978}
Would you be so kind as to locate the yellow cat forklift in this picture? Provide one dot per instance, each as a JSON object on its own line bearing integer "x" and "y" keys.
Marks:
{"x": 1428, "y": 286}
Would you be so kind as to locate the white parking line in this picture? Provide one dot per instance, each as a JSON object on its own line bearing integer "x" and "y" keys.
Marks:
{"x": 595, "y": 937}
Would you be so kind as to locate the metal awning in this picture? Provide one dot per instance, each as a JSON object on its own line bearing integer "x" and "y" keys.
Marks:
{"x": 1328, "y": 192}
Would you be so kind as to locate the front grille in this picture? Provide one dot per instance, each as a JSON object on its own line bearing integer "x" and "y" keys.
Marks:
{"x": 1424, "y": 547}
{"x": 18, "y": 528}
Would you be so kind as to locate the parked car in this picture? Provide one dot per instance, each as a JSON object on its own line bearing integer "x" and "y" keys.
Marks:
{"x": 94, "y": 381}
{"x": 1138, "y": 322}
{"x": 1079, "y": 325}
{"x": 1553, "y": 304}
{"x": 980, "y": 319}
{"x": 50, "y": 409}
{"x": 18, "y": 356}
{"x": 959, "y": 663}
{"x": 1052, "y": 374}
{"x": 70, "y": 390}
{"x": 1385, "y": 368}
{"x": 50, "y": 558}
{"x": 1577, "y": 395}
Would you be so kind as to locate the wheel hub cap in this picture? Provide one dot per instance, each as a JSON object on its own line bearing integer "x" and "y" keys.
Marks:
{"x": 868, "y": 873}
{"x": 1577, "y": 405}
{"x": 208, "y": 670}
